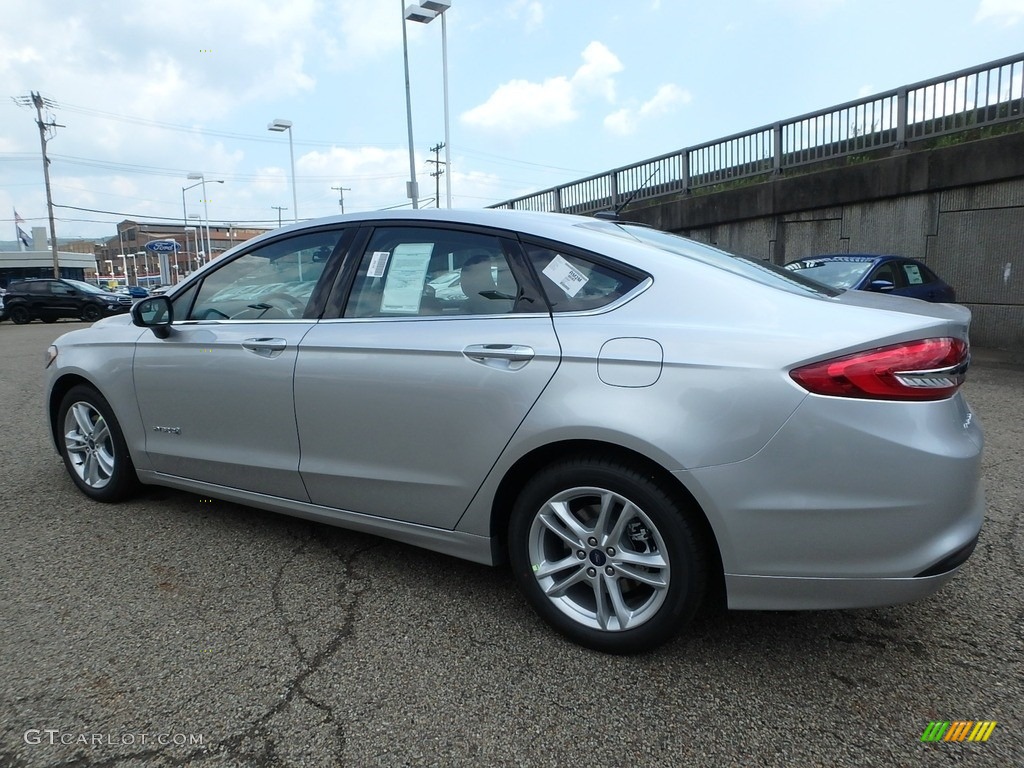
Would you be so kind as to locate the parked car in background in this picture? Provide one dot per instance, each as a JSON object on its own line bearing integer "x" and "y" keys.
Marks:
{"x": 3, "y": 308}
{"x": 873, "y": 272}
{"x": 51, "y": 299}
{"x": 640, "y": 424}
{"x": 135, "y": 291}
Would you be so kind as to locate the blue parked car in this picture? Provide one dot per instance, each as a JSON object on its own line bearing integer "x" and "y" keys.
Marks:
{"x": 135, "y": 291}
{"x": 874, "y": 272}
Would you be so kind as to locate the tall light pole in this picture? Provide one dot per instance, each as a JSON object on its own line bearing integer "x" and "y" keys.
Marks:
{"x": 206, "y": 207}
{"x": 277, "y": 126}
{"x": 188, "y": 259}
{"x": 200, "y": 246}
{"x": 417, "y": 13}
{"x": 413, "y": 190}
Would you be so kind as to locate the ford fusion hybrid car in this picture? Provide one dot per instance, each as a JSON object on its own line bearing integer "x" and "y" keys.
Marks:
{"x": 638, "y": 424}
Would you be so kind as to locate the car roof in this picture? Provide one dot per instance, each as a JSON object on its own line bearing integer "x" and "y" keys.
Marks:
{"x": 536, "y": 222}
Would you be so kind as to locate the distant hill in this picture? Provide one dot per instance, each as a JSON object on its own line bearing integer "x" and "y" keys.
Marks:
{"x": 12, "y": 245}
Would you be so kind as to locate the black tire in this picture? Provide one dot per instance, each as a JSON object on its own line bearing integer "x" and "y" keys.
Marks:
{"x": 646, "y": 522}
{"x": 93, "y": 446}
{"x": 19, "y": 315}
{"x": 91, "y": 313}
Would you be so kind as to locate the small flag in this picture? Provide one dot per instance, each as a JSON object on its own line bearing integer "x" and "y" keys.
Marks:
{"x": 22, "y": 237}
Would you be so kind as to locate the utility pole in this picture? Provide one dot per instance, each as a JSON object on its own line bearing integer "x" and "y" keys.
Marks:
{"x": 39, "y": 102}
{"x": 341, "y": 196}
{"x": 438, "y": 173}
{"x": 279, "y": 208}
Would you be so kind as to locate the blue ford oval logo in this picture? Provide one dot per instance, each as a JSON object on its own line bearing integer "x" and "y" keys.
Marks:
{"x": 597, "y": 557}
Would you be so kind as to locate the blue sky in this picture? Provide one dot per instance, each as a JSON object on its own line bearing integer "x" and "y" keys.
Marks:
{"x": 541, "y": 92}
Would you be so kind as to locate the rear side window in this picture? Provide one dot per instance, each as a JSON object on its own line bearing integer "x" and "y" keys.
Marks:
{"x": 573, "y": 283}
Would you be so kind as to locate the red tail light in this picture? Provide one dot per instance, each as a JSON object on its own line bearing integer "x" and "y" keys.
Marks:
{"x": 930, "y": 369}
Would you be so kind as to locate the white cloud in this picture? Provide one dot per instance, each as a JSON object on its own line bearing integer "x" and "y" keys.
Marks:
{"x": 1008, "y": 12}
{"x": 626, "y": 120}
{"x": 521, "y": 105}
{"x": 529, "y": 10}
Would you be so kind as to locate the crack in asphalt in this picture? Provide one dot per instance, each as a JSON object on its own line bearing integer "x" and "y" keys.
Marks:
{"x": 240, "y": 746}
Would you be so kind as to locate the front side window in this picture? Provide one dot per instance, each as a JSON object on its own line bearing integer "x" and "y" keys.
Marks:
{"x": 917, "y": 274}
{"x": 272, "y": 282}
{"x": 889, "y": 272}
{"x": 421, "y": 271}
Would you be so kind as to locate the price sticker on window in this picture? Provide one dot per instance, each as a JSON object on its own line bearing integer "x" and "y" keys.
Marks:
{"x": 565, "y": 276}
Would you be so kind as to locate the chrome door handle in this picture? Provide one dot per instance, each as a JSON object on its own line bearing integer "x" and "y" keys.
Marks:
{"x": 510, "y": 356}
{"x": 265, "y": 347}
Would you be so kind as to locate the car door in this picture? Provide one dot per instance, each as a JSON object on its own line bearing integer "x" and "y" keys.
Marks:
{"x": 64, "y": 300}
{"x": 404, "y": 401}
{"x": 216, "y": 395}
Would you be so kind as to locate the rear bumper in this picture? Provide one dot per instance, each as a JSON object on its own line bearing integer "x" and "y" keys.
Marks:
{"x": 850, "y": 505}
{"x": 783, "y": 593}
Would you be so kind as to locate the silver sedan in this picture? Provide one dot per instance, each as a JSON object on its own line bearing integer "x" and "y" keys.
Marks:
{"x": 639, "y": 424}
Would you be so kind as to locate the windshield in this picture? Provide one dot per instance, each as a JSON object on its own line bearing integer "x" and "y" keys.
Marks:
{"x": 754, "y": 269}
{"x": 837, "y": 273}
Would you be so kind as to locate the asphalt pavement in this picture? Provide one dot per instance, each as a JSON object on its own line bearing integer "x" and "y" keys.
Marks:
{"x": 176, "y": 631}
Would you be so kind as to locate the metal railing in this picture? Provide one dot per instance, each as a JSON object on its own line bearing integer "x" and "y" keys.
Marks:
{"x": 971, "y": 98}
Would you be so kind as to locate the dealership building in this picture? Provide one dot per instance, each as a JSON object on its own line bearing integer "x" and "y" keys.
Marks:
{"x": 18, "y": 261}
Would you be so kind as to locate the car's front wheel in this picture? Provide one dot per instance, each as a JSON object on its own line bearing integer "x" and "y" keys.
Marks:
{"x": 607, "y": 555}
{"x": 19, "y": 315}
{"x": 93, "y": 446}
{"x": 91, "y": 313}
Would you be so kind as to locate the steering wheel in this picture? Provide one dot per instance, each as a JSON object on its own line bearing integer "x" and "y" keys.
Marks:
{"x": 298, "y": 306}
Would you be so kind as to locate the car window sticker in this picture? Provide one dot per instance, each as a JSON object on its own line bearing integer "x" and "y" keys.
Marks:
{"x": 378, "y": 264}
{"x": 913, "y": 274}
{"x": 403, "y": 288}
{"x": 565, "y": 276}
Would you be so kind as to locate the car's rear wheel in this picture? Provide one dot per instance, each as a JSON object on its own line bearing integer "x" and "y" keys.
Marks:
{"x": 91, "y": 313}
{"x": 93, "y": 446}
{"x": 19, "y": 315}
{"x": 607, "y": 555}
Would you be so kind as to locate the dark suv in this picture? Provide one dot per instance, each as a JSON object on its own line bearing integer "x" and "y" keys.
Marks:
{"x": 49, "y": 300}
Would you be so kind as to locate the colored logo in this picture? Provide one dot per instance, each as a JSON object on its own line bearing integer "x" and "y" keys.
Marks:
{"x": 958, "y": 730}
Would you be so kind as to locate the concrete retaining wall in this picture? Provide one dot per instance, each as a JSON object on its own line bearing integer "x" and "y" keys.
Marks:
{"x": 960, "y": 209}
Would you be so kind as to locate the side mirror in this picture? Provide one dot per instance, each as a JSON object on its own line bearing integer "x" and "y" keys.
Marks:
{"x": 156, "y": 313}
{"x": 881, "y": 286}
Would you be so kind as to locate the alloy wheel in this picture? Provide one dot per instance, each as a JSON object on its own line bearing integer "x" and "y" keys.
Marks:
{"x": 89, "y": 444}
{"x": 599, "y": 559}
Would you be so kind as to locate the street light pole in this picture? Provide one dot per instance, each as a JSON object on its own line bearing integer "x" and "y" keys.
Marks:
{"x": 413, "y": 191}
{"x": 206, "y": 207}
{"x": 426, "y": 12}
{"x": 277, "y": 125}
